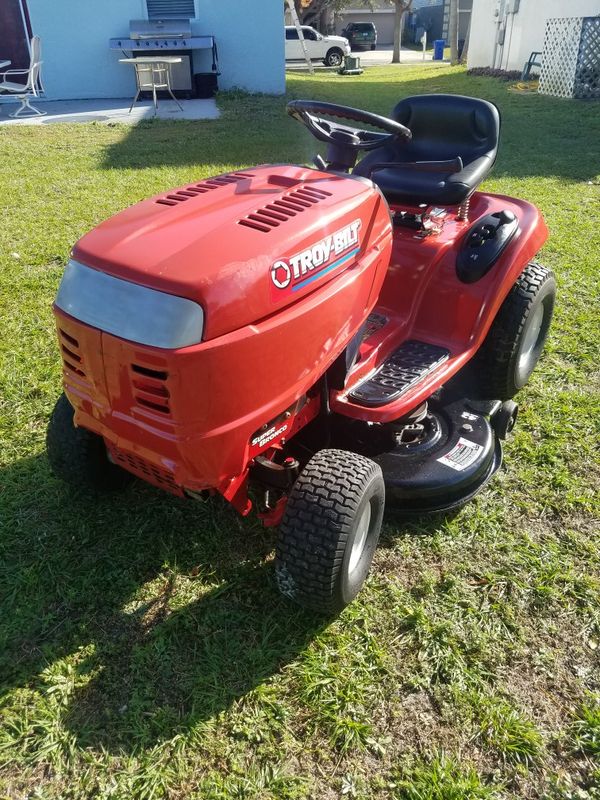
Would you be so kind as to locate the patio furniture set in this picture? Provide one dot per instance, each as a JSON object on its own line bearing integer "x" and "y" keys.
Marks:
{"x": 152, "y": 74}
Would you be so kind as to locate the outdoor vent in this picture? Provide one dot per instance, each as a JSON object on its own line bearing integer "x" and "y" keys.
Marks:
{"x": 174, "y": 198}
{"x": 150, "y": 389}
{"x": 288, "y": 205}
{"x": 145, "y": 469}
{"x": 71, "y": 356}
{"x": 170, "y": 9}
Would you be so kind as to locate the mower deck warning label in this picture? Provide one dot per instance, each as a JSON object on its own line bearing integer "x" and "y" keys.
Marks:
{"x": 462, "y": 455}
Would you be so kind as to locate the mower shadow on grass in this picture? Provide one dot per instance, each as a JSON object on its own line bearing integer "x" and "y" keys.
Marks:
{"x": 151, "y": 614}
{"x": 136, "y": 615}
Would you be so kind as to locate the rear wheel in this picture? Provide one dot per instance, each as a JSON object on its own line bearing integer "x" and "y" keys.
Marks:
{"x": 78, "y": 456}
{"x": 333, "y": 58}
{"x": 329, "y": 530}
{"x": 516, "y": 339}
{"x": 373, "y": 46}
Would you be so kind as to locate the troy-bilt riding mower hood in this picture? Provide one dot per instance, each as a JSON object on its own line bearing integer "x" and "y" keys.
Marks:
{"x": 304, "y": 336}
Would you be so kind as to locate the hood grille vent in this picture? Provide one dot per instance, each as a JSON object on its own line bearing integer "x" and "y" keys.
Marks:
{"x": 174, "y": 198}
{"x": 287, "y": 206}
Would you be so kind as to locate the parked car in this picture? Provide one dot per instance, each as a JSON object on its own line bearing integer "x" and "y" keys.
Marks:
{"x": 328, "y": 49}
{"x": 361, "y": 34}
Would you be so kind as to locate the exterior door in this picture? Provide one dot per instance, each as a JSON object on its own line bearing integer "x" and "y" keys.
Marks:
{"x": 15, "y": 33}
{"x": 312, "y": 43}
{"x": 293, "y": 47}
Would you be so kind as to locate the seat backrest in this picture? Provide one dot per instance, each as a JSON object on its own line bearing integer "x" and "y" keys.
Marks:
{"x": 445, "y": 126}
{"x": 36, "y": 50}
{"x": 35, "y": 63}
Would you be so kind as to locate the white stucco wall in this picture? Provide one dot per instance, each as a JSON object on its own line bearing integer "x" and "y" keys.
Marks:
{"x": 78, "y": 63}
{"x": 524, "y": 30}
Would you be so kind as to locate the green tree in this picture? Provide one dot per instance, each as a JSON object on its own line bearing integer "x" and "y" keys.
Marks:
{"x": 308, "y": 9}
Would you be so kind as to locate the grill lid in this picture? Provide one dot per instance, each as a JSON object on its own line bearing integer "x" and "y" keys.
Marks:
{"x": 152, "y": 28}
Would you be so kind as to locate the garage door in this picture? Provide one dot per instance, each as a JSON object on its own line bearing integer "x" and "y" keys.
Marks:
{"x": 384, "y": 22}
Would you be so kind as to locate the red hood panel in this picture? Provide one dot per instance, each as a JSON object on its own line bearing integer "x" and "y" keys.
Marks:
{"x": 299, "y": 228}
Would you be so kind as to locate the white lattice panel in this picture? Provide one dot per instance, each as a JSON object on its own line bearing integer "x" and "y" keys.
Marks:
{"x": 587, "y": 75}
{"x": 559, "y": 57}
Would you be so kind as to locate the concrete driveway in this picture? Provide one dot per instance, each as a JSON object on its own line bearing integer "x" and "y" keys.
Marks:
{"x": 372, "y": 58}
{"x": 383, "y": 55}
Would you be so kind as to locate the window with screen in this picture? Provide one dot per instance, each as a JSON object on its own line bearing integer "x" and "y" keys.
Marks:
{"x": 170, "y": 9}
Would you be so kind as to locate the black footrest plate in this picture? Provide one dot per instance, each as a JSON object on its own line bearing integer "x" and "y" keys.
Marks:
{"x": 407, "y": 365}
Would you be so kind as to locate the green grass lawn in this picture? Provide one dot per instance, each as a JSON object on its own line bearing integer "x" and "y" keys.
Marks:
{"x": 144, "y": 650}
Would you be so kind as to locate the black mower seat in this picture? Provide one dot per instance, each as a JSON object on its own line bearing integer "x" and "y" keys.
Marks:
{"x": 453, "y": 147}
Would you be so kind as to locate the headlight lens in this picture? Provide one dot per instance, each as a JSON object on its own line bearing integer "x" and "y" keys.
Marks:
{"x": 127, "y": 310}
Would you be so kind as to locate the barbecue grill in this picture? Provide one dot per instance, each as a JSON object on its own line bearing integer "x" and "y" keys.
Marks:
{"x": 152, "y": 37}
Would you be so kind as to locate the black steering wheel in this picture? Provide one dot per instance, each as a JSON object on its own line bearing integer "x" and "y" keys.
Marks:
{"x": 356, "y": 139}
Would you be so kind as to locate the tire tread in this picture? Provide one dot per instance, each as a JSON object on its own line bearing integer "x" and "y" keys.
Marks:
{"x": 501, "y": 343}
{"x": 316, "y": 524}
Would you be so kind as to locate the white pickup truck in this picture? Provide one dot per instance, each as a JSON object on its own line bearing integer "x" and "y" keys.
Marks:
{"x": 328, "y": 49}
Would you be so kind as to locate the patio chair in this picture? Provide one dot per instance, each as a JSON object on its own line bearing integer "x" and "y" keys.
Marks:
{"x": 534, "y": 60}
{"x": 29, "y": 88}
{"x": 151, "y": 77}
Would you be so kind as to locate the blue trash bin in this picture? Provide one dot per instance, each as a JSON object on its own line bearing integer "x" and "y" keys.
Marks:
{"x": 438, "y": 49}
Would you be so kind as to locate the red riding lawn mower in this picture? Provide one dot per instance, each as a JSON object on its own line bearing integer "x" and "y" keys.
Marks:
{"x": 311, "y": 341}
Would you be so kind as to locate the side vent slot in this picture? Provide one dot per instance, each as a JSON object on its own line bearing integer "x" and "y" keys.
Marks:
{"x": 68, "y": 338}
{"x": 71, "y": 355}
{"x": 159, "y": 375}
{"x": 150, "y": 389}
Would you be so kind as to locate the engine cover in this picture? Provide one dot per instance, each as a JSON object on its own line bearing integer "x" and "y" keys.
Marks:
{"x": 244, "y": 245}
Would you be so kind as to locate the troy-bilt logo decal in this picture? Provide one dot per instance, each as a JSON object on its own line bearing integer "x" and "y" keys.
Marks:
{"x": 296, "y": 272}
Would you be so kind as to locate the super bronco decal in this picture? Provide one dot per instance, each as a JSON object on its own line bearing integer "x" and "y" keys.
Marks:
{"x": 290, "y": 275}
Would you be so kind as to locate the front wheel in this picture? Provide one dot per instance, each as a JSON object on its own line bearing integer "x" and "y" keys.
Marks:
{"x": 78, "y": 456}
{"x": 333, "y": 58}
{"x": 329, "y": 530}
{"x": 516, "y": 339}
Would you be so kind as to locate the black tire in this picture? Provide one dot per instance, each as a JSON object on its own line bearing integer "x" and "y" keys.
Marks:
{"x": 78, "y": 456}
{"x": 321, "y": 558}
{"x": 509, "y": 353}
{"x": 373, "y": 47}
{"x": 334, "y": 57}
